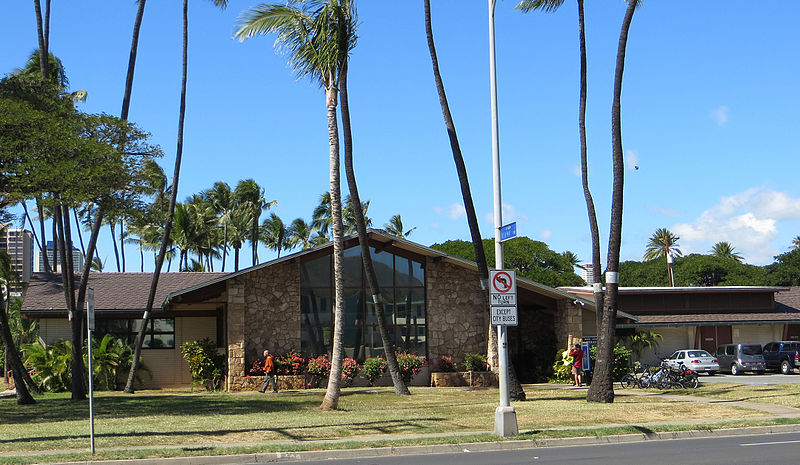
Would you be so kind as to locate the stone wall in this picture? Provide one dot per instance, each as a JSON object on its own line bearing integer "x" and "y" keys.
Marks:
{"x": 263, "y": 313}
{"x": 569, "y": 324}
{"x": 457, "y": 311}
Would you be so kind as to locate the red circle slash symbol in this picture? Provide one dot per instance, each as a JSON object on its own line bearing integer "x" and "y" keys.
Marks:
{"x": 502, "y": 282}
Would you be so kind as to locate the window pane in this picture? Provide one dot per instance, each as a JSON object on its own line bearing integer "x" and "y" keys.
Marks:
{"x": 353, "y": 313}
{"x": 162, "y": 341}
{"x": 402, "y": 271}
{"x": 401, "y": 305}
{"x": 316, "y": 273}
{"x": 352, "y": 267}
{"x": 383, "y": 263}
{"x": 315, "y": 306}
{"x": 164, "y": 325}
{"x": 388, "y": 307}
{"x": 315, "y": 341}
{"x": 418, "y": 274}
{"x": 353, "y": 342}
{"x": 416, "y": 313}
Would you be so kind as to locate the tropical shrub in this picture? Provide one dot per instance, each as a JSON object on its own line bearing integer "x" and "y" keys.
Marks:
{"x": 319, "y": 368}
{"x": 49, "y": 364}
{"x": 374, "y": 368}
{"x": 291, "y": 363}
{"x": 111, "y": 361}
{"x": 410, "y": 365}
{"x": 475, "y": 362}
{"x": 562, "y": 368}
{"x": 256, "y": 368}
{"x": 445, "y": 364}
{"x": 206, "y": 365}
{"x": 350, "y": 369}
{"x": 622, "y": 360}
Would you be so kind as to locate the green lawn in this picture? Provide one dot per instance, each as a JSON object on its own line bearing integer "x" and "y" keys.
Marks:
{"x": 787, "y": 395}
{"x": 150, "y": 419}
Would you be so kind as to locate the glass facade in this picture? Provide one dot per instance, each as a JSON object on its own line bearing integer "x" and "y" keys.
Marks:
{"x": 160, "y": 332}
{"x": 402, "y": 283}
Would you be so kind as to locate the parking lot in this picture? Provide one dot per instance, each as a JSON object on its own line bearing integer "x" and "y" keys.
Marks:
{"x": 768, "y": 378}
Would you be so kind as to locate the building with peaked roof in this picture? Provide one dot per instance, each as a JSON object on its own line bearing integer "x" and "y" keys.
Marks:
{"x": 434, "y": 304}
{"x": 707, "y": 317}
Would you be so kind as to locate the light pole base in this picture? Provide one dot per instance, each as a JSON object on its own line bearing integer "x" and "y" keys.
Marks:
{"x": 505, "y": 422}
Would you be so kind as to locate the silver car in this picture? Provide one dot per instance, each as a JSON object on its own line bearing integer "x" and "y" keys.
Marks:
{"x": 696, "y": 359}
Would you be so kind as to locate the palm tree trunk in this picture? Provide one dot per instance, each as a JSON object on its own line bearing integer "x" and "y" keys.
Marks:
{"x": 122, "y": 242}
{"x": 56, "y": 260}
{"x": 331, "y": 400}
{"x": 137, "y": 24}
{"x": 593, "y": 228}
{"x": 78, "y": 229}
{"x": 137, "y": 350}
{"x": 43, "y": 245}
{"x": 400, "y": 387}
{"x": 602, "y": 388}
{"x": 40, "y": 30}
{"x": 472, "y": 219}
{"x": 33, "y": 229}
{"x": 112, "y": 227}
{"x": 235, "y": 258}
{"x": 224, "y": 246}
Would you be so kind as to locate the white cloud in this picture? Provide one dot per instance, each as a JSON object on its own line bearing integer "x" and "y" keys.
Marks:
{"x": 720, "y": 115}
{"x": 632, "y": 160}
{"x": 510, "y": 215}
{"x": 576, "y": 170}
{"x": 545, "y": 235}
{"x": 664, "y": 211}
{"x": 748, "y": 220}
{"x": 454, "y": 211}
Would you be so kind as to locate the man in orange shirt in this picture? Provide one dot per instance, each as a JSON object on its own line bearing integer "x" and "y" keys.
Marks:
{"x": 269, "y": 371}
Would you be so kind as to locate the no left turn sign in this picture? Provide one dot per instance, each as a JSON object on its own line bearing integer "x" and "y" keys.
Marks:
{"x": 503, "y": 282}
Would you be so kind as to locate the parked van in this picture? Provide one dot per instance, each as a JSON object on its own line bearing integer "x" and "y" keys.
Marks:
{"x": 740, "y": 358}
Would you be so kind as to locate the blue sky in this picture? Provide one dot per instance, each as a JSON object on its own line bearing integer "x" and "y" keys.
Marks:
{"x": 710, "y": 103}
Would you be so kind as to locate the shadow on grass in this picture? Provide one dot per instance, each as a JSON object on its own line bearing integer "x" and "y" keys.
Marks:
{"x": 385, "y": 426}
{"x": 63, "y": 409}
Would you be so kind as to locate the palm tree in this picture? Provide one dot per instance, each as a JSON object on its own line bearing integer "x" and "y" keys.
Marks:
{"x": 250, "y": 197}
{"x": 309, "y": 31}
{"x": 321, "y": 217}
{"x": 661, "y": 242}
{"x": 173, "y": 197}
{"x": 602, "y": 389}
{"x": 516, "y": 392}
{"x": 299, "y": 234}
{"x": 223, "y": 202}
{"x": 550, "y": 6}
{"x": 274, "y": 234}
{"x": 727, "y": 251}
{"x": 24, "y": 397}
{"x": 238, "y": 232}
{"x": 358, "y": 210}
{"x": 795, "y": 243}
{"x": 395, "y": 226}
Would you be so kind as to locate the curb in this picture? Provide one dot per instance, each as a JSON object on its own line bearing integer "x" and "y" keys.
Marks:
{"x": 278, "y": 457}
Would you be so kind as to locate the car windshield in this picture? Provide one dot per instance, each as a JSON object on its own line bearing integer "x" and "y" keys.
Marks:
{"x": 752, "y": 350}
{"x": 699, "y": 353}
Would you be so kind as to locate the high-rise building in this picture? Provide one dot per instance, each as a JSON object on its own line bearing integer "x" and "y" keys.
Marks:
{"x": 587, "y": 273}
{"x": 18, "y": 243}
{"x": 77, "y": 259}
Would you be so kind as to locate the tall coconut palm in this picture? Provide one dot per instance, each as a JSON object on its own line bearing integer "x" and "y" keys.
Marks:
{"x": 137, "y": 351}
{"x": 516, "y": 392}
{"x": 238, "y": 232}
{"x": 727, "y": 251}
{"x": 251, "y": 197}
{"x": 308, "y": 30}
{"x": 359, "y": 209}
{"x": 661, "y": 242}
{"x": 274, "y": 234}
{"x": 550, "y": 6}
{"x": 602, "y": 389}
{"x": 395, "y": 226}
{"x": 795, "y": 243}
{"x": 299, "y": 234}
{"x": 223, "y": 202}
{"x": 21, "y": 377}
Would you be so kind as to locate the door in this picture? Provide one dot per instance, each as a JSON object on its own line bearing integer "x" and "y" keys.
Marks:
{"x": 712, "y": 337}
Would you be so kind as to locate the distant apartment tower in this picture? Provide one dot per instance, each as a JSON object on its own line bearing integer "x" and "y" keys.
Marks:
{"x": 587, "y": 273}
{"x": 77, "y": 259}
{"x": 18, "y": 243}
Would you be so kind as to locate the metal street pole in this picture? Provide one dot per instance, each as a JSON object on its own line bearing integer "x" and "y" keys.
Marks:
{"x": 89, "y": 328}
{"x": 505, "y": 418}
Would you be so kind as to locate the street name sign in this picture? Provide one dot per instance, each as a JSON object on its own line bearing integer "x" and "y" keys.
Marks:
{"x": 503, "y": 297}
{"x": 508, "y": 231}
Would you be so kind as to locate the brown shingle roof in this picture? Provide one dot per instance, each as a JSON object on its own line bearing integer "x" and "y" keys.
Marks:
{"x": 112, "y": 291}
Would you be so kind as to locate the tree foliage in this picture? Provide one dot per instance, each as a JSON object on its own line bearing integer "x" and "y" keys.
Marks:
{"x": 532, "y": 259}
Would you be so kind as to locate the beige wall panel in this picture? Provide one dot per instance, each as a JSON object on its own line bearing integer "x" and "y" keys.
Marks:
{"x": 53, "y": 330}
{"x": 167, "y": 366}
{"x": 674, "y": 338}
{"x": 754, "y": 334}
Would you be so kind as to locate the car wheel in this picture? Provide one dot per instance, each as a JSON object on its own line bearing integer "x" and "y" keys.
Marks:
{"x": 734, "y": 369}
{"x": 712, "y": 373}
{"x": 785, "y": 367}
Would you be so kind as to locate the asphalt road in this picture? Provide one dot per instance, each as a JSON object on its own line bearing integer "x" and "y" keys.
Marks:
{"x": 763, "y": 449}
{"x": 767, "y": 378}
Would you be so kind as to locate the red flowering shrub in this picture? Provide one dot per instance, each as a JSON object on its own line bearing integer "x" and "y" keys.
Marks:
{"x": 319, "y": 368}
{"x": 350, "y": 369}
{"x": 256, "y": 369}
{"x": 374, "y": 368}
{"x": 410, "y": 365}
{"x": 446, "y": 364}
{"x": 291, "y": 363}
